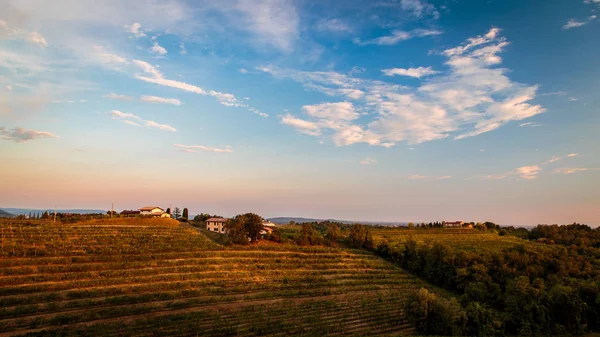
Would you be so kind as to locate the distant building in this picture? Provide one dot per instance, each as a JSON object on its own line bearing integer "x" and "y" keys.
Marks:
{"x": 266, "y": 230}
{"x": 453, "y": 223}
{"x": 154, "y": 210}
{"x": 216, "y": 225}
{"x": 268, "y": 223}
{"x": 130, "y": 213}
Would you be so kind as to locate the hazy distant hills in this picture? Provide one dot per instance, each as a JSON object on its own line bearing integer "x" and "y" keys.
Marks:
{"x": 24, "y": 211}
{"x": 4, "y": 214}
{"x": 286, "y": 220}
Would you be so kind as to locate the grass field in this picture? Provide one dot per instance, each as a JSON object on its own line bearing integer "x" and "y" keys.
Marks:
{"x": 155, "y": 277}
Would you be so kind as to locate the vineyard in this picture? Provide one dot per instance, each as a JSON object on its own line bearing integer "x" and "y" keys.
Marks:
{"x": 155, "y": 277}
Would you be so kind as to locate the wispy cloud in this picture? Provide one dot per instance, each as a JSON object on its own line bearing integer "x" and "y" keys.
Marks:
{"x": 398, "y": 36}
{"x": 368, "y": 161}
{"x": 333, "y": 25}
{"x": 475, "y": 96}
{"x": 528, "y": 172}
{"x": 112, "y": 95}
{"x": 419, "y": 8}
{"x": 182, "y": 49}
{"x": 129, "y": 118}
{"x": 135, "y": 29}
{"x": 573, "y": 23}
{"x": 153, "y": 124}
{"x": 422, "y": 177}
{"x": 557, "y": 158}
{"x": 37, "y": 38}
{"x": 570, "y": 170}
{"x": 20, "y": 135}
{"x": 530, "y": 124}
{"x": 272, "y": 22}
{"x": 158, "y": 49}
{"x": 193, "y": 148}
{"x": 156, "y": 99}
{"x": 410, "y": 72}
{"x": 116, "y": 114}
{"x": 153, "y": 75}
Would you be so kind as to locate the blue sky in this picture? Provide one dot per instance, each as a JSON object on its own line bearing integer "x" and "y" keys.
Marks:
{"x": 402, "y": 110}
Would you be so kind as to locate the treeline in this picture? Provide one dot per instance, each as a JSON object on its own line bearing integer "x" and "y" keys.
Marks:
{"x": 525, "y": 290}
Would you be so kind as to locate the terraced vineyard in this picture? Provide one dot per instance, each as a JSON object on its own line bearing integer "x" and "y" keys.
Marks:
{"x": 462, "y": 239}
{"x": 150, "y": 277}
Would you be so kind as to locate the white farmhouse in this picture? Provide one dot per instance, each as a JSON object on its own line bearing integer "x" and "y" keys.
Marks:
{"x": 216, "y": 225}
{"x": 153, "y": 210}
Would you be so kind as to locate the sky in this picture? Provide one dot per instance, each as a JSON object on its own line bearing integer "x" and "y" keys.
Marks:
{"x": 391, "y": 110}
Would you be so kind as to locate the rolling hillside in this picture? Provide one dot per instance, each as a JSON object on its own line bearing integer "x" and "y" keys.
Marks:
{"x": 149, "y": 277}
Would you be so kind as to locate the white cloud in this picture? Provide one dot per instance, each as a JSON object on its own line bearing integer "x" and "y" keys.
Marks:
{"x": 156, "y": 77}
{"x": 556, "y": 158}
{"x": 368, "y": 161}
{"x": 182, "y": 50}
{"x": 243, "y": 71}
{"x": 398, "y": 36}
{"x": 105, "y": 57}
{"x": 572, "y": 23}
{"x": 157, "y": 49}
{"x": 573, "y": 99}
{"x": 156, "y": 99}
{"x": 473, "y": 97}
{"x": 570, "y": 170}
{"x": 129, "y": 118}
{"x": 127, "y": 121}
{"x": 530, "y": 124}
{"x": 20, "y": 135}
{"x": 82, "y": 100}
{"x": 422, "y": 177}
{"x": 116, "y": 114}
{"x": 494, "y": 177}
{"x": 333, "y": 25}
{"x": 419, "y": 8}
{"x": 37, "y": 38}
{"x": 193, "y": 148}
{"x": 528, "y": 172}
{"x": 411, "y": 72}
{"x": 9, "y": 87}
{"x": 135, "y": 29}
{"x": 153, "y": 124}
{"x": 62, "y": 101}
{"x": 301, "y": 125}
{"x": 112, "y": 95}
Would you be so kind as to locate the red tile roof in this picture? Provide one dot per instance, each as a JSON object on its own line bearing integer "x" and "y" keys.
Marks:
{"x": 149, "y": 208}
{"x": 216, "y": 220}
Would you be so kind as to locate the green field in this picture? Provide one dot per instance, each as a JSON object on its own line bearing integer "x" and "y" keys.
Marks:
{"x": 155, "y": 277}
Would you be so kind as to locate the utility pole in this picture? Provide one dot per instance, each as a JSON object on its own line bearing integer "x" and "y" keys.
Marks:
{"x": 112, "y": 209}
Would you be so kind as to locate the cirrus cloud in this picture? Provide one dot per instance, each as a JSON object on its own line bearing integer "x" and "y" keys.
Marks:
{"x": 193, "y": 148}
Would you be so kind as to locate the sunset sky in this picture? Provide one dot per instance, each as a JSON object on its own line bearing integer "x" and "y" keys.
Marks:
{"x": 402, "y": 110}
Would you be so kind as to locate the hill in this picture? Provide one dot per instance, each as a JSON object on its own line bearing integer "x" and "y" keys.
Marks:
{"x": 24, "y": 211}
{"x": 286, "y": 220}
{"x": 5, "y": 214}
{"x": 151, "y": 277}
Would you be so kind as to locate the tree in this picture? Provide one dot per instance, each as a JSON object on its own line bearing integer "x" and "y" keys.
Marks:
{"x": 360, "y": 237}
{"x": 177, "y": 213}
{"x": 45, "y": 215}
{"x": 308, "y": 235}
{"x": 333, "y": 233}
{"x": 243, "y": 227}
{"x": 169, "y": 210}
{"x": 411, "y": 225}
{"x": 184, "y": 217}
